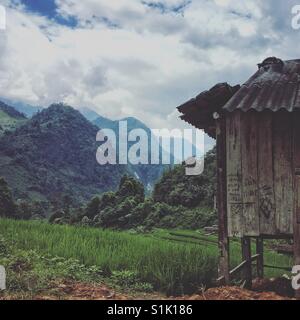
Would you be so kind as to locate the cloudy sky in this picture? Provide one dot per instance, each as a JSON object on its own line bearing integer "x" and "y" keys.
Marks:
{"x": 137, "y": 58}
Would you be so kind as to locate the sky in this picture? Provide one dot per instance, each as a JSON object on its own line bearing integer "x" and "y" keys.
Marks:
{"x": 140, "y": 58}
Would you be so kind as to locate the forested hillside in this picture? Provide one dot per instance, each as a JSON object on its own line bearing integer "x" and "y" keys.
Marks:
{"x": 53, "y": 155}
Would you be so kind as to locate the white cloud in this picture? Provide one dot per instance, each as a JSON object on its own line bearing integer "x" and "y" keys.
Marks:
{"x": 131, "y": 59}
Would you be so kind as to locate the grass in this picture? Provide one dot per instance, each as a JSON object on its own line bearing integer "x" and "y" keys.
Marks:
{"x": 173, "y": 262}
{"x": 271, "y": 258}
{"x": 169, "y": 267}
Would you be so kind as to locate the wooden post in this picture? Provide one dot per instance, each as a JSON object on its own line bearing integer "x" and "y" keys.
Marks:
{"x": 296, "y": 165}
{"x": 297, "y": 226}
{"x": 260, "y": 259}
{"x": 222, "y": 200}
{"x": 246, "y": 254}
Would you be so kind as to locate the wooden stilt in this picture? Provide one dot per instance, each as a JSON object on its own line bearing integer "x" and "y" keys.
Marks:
{"x": 222, "y": 201}
{"x": 296, "y": 221}
{"x": 297, "y": 252}
{"x": 260, "y": 259}
{"x": 246, "y": 254}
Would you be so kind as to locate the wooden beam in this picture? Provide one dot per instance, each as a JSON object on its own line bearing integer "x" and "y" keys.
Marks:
{"x": 260, "y": 259}
{"x": 296, "y": 165}
{"x": 239, "y": 268}
{"x": 234, "y": 175}
{"x": 222, "y": 200}
{"x": 246, "y": 254}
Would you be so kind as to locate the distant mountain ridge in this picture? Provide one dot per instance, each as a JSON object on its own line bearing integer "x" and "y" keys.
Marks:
{"x": 10, "y": 118}
{"x": 147, "y": 174}
{"x": 24, "y": 108}
{"x": 54, "y": 153}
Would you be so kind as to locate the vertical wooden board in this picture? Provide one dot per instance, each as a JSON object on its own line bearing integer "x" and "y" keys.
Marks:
{"x": 283, "y": 175}
{"x": 296, "y": 169}
{"x": 249, "y": 173}
{"x": 246, "y": 255}
{"x": 266, "y": 194}
{"x": 234, "y": 175}
{"x": 222, "y": 200}
{"x": 260, "y": 259}
{"x": 297, "y": 195}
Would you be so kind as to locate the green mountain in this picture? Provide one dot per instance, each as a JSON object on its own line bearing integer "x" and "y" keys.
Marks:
{"x": 54, "y": 154}
{"x": 24, "y": 108}
{"x": 147, "y": 174}
{"x": 10, "y": 118}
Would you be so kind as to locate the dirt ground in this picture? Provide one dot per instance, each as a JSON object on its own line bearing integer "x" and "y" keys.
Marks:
{"x": 81, "y": 291}
{"x": 266, "y": 289}
{"x": 235, "y": 293}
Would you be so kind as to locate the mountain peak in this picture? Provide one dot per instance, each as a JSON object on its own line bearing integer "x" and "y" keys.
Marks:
{"x": 61, "y": 108}
{"x": 62, "y": 114}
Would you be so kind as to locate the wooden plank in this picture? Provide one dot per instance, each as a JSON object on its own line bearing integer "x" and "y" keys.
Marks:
{"x": 249, "y": 147}
{"x": 234, "y": 175}
{"x": 266, "y": 194}
{"x": 260, "y": 258}
{"x": 283, "y": 173}
{"x": 238, "y": 268}
{"x": 297, "y": 195}
{"x": 246, "y": 254}
{"x": 222, "y": 200}
{"x": 296, "y": 169}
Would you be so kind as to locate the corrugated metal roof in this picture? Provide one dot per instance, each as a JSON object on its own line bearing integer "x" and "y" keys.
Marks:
{"x": 199, "y": 111}
{"x": 275, "y": 86}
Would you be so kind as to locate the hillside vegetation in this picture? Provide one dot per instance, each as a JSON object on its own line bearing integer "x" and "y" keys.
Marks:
{"x": 10, "y": 118}
{"x": 52, "y": 155}
{"x": 175, "y": 262}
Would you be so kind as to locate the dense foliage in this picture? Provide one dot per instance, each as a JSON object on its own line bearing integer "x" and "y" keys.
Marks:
{"x": 176, "y": 188}
{"x": 7, "y": 205}
{"x": 173, "y": 204}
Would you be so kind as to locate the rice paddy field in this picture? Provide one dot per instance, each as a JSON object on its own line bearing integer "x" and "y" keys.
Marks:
{"x": 171, "y": 261}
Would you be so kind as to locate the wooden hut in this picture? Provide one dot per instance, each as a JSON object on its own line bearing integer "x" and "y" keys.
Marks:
{"x": 257, "y": 128}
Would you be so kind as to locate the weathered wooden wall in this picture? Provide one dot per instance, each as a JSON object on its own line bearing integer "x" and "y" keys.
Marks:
{"x": 260, "y": 192}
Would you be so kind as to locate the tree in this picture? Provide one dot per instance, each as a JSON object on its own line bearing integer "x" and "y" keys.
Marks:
{"x": 67, "y": 203}
{"x": 7, "y": 205}
{"x": 24, "y": 210}
{"x": 129, "y": 186}
{"x": 92, "y": 208}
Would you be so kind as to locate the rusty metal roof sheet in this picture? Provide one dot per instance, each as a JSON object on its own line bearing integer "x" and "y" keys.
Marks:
{"x": 199, "y": 111}
{"x": 275, "y": 86}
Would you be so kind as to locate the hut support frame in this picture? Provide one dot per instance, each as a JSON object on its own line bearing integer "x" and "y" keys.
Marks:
{"x": 296, "y": 165}
{"x": 222, "y": 202}
{"x": 246, "y": 266}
